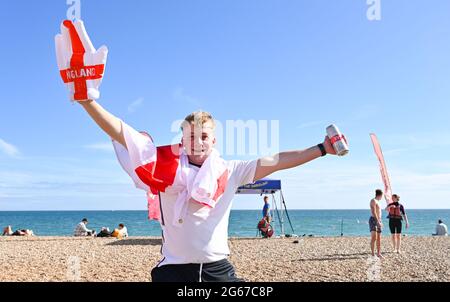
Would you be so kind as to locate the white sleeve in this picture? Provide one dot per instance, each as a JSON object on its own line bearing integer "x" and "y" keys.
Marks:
{"x": 140, "y": 151}
{"x": 244, "y": 172}
{"x": 84, "y": 228}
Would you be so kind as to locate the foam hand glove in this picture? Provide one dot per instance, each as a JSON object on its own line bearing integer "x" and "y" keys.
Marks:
{"x": 80, "y": 65}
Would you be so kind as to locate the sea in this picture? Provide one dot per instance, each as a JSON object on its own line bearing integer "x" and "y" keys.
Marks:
{"x": 242, "y": 223}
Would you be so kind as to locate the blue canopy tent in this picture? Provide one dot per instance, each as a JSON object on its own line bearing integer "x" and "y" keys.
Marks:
{"x": 262, "y": 186}
{"x": 269, "y": 186}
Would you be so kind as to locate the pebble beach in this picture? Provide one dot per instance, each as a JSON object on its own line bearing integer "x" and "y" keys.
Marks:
{"x": 329, "y": 259}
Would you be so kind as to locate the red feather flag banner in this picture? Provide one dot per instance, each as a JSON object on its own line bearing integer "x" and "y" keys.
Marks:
{"x": 383, "y": 169}
{"x": 154, "y": 212}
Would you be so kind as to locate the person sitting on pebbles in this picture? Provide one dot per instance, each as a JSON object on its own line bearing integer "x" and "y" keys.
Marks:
{"x": 81, "y": 230}
{"x": 120, "y": 232}
{"x": 441, "y": 229}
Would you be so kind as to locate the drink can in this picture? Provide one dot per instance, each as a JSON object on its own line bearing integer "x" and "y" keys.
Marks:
{"x": 338, "y": 140}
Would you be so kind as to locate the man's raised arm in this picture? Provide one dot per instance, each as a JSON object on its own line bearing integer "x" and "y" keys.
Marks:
{"x": 105, "y": 120}
{"x": 290, "y": 159}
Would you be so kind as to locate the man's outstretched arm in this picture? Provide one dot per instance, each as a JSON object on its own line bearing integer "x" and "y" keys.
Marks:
{"x": 105, "y": 120}
{"x": 289, "y": 159}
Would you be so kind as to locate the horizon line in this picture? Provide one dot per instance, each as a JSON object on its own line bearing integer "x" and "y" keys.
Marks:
{"x": 134, "y": 210}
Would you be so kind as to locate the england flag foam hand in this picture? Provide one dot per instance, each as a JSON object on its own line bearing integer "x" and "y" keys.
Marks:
{"x": 81, "y": 66}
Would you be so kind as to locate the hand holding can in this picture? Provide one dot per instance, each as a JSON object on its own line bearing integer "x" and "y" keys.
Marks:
{"x": 338, "y": 140}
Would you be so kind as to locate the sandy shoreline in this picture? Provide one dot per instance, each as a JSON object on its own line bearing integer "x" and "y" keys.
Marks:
{"x": 312, "y": 259}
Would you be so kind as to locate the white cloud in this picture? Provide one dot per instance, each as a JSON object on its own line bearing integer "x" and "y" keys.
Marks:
{"x": 107, "y": 147}
{"x": 135, "y": 105}
{"x": 397, "y": 151}
{"x": 67, "y": 184}
{"x": 8, "y": 149}
{"x": 441, "y": 164}
{"x": 417, "y": 140}
{"x": 366, "y": 111}
{"x": 342, "y": 184}
{"x": 412, "y": 181}
{"x": 331, "y": 182}
{"x": 310, "y": 124}
{"x": 179, "y": 95}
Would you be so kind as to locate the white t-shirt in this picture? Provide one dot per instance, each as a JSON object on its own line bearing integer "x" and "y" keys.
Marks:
{"x": 123, "y": 232}
{"x": 81, "y": 230}
{"x": 203, "y": 235}
{"x": 441, "y": 230}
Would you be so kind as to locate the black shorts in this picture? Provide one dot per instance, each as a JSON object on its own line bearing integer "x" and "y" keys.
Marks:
{"x": 219, "y": 271}
{"x": 395, "y": 225}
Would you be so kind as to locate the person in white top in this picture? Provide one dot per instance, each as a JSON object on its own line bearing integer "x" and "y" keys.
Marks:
{"x": 82, "y": 230}
{"x": 194, "y": 184}
{"x": 123, "y": 231}
{"x": 441, "y": 229}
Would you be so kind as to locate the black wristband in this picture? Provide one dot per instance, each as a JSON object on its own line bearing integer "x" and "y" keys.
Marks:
{"x": 322, "y": 149}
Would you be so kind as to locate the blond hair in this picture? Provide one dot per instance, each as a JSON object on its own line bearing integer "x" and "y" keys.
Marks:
{"x": 198, "y": 118}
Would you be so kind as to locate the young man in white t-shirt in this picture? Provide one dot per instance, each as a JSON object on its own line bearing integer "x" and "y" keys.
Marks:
{"x": 198, "y": 250}
{"x": 194, "y": 210}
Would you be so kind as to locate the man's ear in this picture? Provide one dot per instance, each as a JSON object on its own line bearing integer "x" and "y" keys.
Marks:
{"x": 214, "y": 140}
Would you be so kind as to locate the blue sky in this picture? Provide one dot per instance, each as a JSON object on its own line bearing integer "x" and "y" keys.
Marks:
{"x": 306, "y": 64}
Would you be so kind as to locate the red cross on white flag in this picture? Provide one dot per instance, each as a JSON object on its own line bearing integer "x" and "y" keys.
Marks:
{"x": 81, "y": 65}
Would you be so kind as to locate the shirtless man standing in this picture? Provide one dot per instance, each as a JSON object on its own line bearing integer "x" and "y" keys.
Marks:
{"x": 375, "y": 223}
